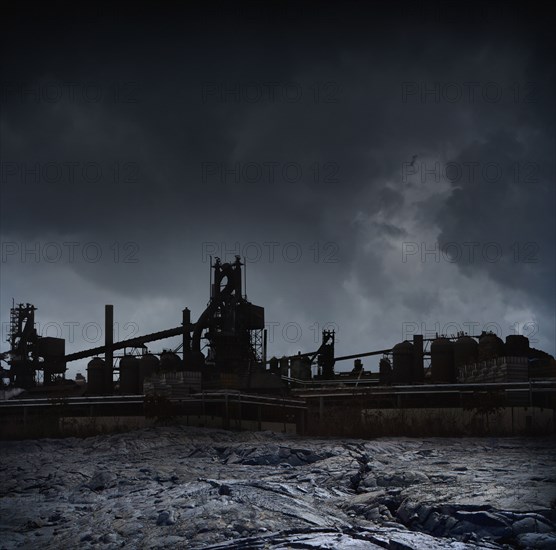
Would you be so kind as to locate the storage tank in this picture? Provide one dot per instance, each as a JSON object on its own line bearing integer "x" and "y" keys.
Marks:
{"x": 95, "y": 376}
{"x": 148, "y": 365}
{"x": 466, "y": 351}
{"x": 170, "y": 362}
{"x": 442, "y": 361}
{"x": 516, "y": 345}
{"x": 403, "y": 363}
{"x": 129, "y": 375}
{"x": 490, "y": 346}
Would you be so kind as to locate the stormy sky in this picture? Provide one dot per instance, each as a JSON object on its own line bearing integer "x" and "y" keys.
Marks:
{"x": 385, "y": 169}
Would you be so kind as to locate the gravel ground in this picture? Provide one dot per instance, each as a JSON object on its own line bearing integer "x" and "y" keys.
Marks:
{"x": 177, "y": 487}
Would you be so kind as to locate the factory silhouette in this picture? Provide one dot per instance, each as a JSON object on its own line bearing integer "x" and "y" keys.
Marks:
{"x": 221, "y": 370}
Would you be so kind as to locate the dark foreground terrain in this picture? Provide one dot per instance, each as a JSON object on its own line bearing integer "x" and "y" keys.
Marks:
{"x": 176, "y": 487}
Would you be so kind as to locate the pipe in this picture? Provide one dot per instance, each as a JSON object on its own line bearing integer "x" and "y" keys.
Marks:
{"x": 357, "y": 355}
{"x": 130, "y": 343}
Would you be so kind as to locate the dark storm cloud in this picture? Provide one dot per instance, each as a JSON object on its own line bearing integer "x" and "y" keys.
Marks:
{"x": 166, "y": 133}
{"x": 512, "y": 227}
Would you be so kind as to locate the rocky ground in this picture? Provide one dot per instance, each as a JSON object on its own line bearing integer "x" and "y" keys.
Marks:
{"x": 177, "y": 487}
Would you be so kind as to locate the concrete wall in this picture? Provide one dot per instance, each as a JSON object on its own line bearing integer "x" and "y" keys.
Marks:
{"x": 90, "y": 425}
{"x": 371, "y": 423}
{"x": 84, "y": 426}
{"x": 243, "y": 425}
{"x": 451, "y": 421}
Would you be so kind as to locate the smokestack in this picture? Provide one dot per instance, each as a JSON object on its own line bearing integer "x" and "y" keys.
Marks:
{"x": 109, "y": 342}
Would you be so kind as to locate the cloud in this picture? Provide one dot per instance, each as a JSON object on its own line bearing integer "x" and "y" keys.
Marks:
{"x": 189, "y": 164}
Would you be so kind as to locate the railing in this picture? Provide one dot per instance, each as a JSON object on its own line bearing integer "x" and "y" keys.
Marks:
{"x": 207, "y": 397}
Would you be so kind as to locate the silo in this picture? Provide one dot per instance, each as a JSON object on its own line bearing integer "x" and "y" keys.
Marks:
{"x": 403, "y": 363}
{"x": 170, "y": 362}
{"x": 95, "y": 376}
{"x": 385, "y": 371}
{"x": 490, "y": 346}
{"x": 442, "y": 361}
{"x": 129, "y": 375}
{"x": 148, "y": 365}
{"x": 516, "y": 345}
{"x": 466, "y": 351}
